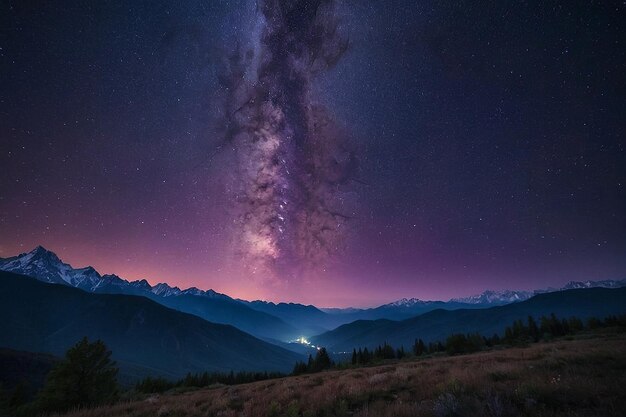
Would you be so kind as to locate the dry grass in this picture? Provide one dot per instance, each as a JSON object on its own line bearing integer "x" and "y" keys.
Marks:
{"x": 564, "y": 378}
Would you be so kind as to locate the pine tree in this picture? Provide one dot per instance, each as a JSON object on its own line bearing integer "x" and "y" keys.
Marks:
{"x": 86, "y": 377}
{"x": 508, "y": 335}
{"x": 387, "y": 351}
{"x": 300, "y": 368}
{"x": 322, "y": 360}
{"x": 378, "y": 353}
{"x": 400, "y": 352}
{"x": 533, "y": 330}
{"x": 456, "y": 343}
{"x": 419, "y": 348}
{"x": 556, "y": 327}
{"x": 575, "y": 324}
{"x": 367, "y": 358}
{"x": 354, "y": 357}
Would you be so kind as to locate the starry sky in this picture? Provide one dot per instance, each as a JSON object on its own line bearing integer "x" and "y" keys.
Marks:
{"x": 337, "y": 153}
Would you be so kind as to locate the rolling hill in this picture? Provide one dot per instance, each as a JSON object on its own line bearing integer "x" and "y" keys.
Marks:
{"x": 438, "y": 324}
{"x": 145, "y": 337}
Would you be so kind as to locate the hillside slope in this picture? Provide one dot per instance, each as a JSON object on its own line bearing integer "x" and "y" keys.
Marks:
{"x": 438, "y": 324}
{"x": 50, "y": 318}
{"x": 46, "y": 266}
{"x": 560, "y": 379}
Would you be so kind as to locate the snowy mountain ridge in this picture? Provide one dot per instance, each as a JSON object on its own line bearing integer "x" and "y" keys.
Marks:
{"x": 407, "y": 302}
{"x": 490, "y": 297}
{"x": 47, "y": 267}
{"x": 495, "y": 297}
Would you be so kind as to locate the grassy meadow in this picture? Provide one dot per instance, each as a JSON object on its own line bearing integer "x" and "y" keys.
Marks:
{"x": 582, "y": 376}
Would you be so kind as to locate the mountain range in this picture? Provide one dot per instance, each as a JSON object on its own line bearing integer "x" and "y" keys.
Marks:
{"x": 145, "y": 337}
{"x": 47, "y": 305}
{"x": 209, "y": 305}
{"x": 436, "y": 325}
{"x": 275, "y": 322}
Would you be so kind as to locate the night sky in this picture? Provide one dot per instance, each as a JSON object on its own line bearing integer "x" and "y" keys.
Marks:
{"x": 337, "y": 154}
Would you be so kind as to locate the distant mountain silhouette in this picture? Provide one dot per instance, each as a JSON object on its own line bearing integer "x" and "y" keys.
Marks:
{"x": 46, "y": 266}
{"x": 307, "y": 319}
{"x": 145, "y": 337}
{"x": 276, "y": 322}
{"x": 438, "y": 324}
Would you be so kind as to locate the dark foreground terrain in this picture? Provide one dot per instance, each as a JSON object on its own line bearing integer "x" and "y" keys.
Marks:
{"x": 582, "y": 376}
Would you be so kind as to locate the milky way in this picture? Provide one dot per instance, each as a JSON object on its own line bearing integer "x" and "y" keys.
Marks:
{"x": 295, "y": 165}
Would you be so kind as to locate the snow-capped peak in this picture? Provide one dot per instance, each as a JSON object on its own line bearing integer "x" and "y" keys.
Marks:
{"x": 46, "y": 266}
{"x": 141, "y": 284}
{"x": 164, "y": 290}
{"x": 193, "y": 291}
{"x": 214, "y": 294}
{"x": 510, "y": 296}
{"x": 406, "y": 302}
{"x": 495, "y": 297}
{"x": 592, "y": 284}
{"x": 40, "y": 255}
{"x": 203, "y": 293}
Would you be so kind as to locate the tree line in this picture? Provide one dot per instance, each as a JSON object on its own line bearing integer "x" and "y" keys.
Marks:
{"x": 520, "y": 332}
{"x": 150, "y": 385}
{"x": 320, "y": 362}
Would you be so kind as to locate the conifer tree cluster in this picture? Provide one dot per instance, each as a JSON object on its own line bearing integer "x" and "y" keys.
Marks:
{"x": 204, "y": 379}
{"x": 548, "y": 327}
{"x": 321, "y": 362}
{"x": 382, "y": 352}
{"x": 420, "y": 348}
{"x": 461, "y": 343}
{"x": 528, "y": 331}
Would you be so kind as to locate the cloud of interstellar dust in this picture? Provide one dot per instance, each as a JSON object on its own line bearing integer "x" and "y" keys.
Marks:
{"x": 295, "y": 166}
